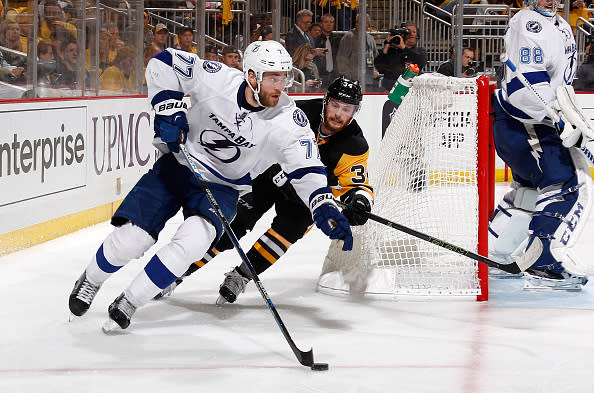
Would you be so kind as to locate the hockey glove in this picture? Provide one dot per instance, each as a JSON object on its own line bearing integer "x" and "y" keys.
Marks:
{"x": 330, "y": 220}
{"x": 172, "y": 130}
{"x": 358, "y": 206}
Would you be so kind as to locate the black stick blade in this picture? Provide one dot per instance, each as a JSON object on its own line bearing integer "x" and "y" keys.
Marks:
{"x": 319, "y": 367}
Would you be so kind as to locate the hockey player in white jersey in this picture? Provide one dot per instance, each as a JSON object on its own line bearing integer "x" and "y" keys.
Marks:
{"x": 540, "y": 219}
{"x": 238, "y": 126}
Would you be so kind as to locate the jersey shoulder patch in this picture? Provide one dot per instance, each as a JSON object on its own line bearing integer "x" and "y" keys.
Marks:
{"x": 533, "y": 26}
{"x": 299, "y": 118}
{"x": 211, "y": 66}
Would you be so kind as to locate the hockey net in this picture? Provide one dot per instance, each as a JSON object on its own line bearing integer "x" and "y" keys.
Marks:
{"x": 433, "y": 174}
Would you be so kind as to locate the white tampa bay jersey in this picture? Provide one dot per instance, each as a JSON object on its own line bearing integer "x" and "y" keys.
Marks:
{"x": 230, "y": 141}
{"x": 544, "y": 51}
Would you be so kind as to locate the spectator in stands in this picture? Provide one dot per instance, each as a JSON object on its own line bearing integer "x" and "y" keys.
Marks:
{"x": 160, "y": 36}
{"x": 9, "y": 73}
{"x": 46, "y": 66}
{"x": 584, "y": 79}
{"x": 67, "y": 67}
{"x": 211, "y": 53}
{"x": 399, "y": 51}
{"x": 185, "y": 36}
{"x": 10, "y": 37}
{"x": 315, "y": 31}
{"x": 266, "y": 35}
{"x": 303, "y": 60}
{"x": 231, "y": 57}
{"x": 115, "y": 43}
{"x": 147, "y": 31}
{"x": 343, "y": 9}
{"x": 106, "y": 54}
{"x": 347, "y": 58}
{"x": 121, "y": 76}
{"x": 299, "y": 33}
{"x": 58, "y": 37}
{"x": 54, "y": 16}
{"x": 577, "y": 9}
{"x": 447, "y": 68}
{"x": 329, "y": 42}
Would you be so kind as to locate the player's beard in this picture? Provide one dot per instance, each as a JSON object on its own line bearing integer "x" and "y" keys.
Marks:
{"x": 269, "y": 99}
{"x": 335, "y": 124}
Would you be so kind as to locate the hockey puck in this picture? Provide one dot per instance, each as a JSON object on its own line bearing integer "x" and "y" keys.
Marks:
{"x": 319, "y": 366}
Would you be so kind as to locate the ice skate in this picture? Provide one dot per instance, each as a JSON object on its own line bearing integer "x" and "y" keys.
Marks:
{"x": 169, "y": 290}
{"x": 538, "y": 280}
{"x": 120, "y": 313}
{"x": 82, "y": 296}
{"x": 233, "y": 285}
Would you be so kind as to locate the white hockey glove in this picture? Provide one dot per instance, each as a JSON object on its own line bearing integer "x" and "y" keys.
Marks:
{"x": 575, "y": 123}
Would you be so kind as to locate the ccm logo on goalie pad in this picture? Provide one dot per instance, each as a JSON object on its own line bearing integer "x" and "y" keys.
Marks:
{"x": 320, "y": 199}
{"x": 572, "y": 224}
{"x": 169, "y": 107}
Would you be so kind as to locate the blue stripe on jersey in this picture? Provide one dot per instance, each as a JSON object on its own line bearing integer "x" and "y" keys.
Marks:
{"x": 244, "y": 181}
{"x": 299, "y": 173}
{"x": 103, "y": 263}
{"x": 158, "y": 273}
{"x": 533, "y": 77}
{"x": 510, "y": 109}
{"x": 165, "y": 57}
{"x": 165, "y": 95}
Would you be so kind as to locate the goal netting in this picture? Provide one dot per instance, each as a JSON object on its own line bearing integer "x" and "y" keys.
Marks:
{"x": 426, "y": 177}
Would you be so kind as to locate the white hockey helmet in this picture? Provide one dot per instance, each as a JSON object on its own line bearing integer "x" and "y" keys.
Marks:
{"x": 546, "y": 8}
{"x": 267, "y": 56}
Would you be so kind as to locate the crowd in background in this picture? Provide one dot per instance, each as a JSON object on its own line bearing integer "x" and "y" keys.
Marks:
{"x": 322, "y": 48}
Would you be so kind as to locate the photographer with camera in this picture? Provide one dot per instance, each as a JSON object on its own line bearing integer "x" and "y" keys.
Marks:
{"x": 584, "y": 78}
{"x": 469, "y": 67}
{"x": 400, "y": 49}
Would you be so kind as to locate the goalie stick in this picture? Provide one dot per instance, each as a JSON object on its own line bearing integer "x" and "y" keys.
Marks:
{"x": 305, "y": 358}
{"x": 549, "y": 111}
{"x": 513, "y": 267}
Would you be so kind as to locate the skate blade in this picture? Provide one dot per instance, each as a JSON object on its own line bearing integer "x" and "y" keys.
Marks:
{"x": 220, "y": 301}
{"x": 111, "y": 327}
{"x": 545, "y": 284}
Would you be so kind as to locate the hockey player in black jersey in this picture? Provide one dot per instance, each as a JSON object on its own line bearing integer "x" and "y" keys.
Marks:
{"x": 344, "y": 153}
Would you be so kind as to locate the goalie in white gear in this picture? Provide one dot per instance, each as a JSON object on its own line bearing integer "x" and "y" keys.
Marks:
{"x": 238, "y": 126}
{"x": 538, "y": 222}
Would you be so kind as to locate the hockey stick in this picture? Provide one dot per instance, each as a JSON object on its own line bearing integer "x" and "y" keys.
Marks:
{"x": 513, "y": 267}
{"x": 305, "y": 358}
{"x": 549, "y": 111}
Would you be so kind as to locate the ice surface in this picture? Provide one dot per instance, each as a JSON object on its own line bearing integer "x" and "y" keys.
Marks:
{"x": 519, "y": 341}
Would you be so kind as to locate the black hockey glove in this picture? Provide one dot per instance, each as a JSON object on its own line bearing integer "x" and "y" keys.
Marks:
{"x": 357, "y": 203}
{"x": 172, "y": 130}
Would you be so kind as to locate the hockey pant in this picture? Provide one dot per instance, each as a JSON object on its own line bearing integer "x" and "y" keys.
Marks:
{"x": 538, "y": 161}
{"x": 291, "y": 222}
{"x": 158, "y": 196}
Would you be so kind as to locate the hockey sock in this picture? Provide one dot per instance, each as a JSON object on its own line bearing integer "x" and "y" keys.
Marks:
{"x": 265, "y": 252}
{"x": 210, "y": 254}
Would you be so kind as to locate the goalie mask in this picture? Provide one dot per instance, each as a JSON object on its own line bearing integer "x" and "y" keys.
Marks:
{"x": 346, "y": 91}
{"x": 266, "y": 56}
{"x": 543, "y": 7}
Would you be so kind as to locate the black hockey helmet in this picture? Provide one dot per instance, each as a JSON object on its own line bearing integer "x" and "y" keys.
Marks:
{"x": 345, "y": 90}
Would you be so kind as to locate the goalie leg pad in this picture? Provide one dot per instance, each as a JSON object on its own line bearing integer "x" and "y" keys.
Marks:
{"x": 508, "y": 229}
{"x": 557, "y": 227}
